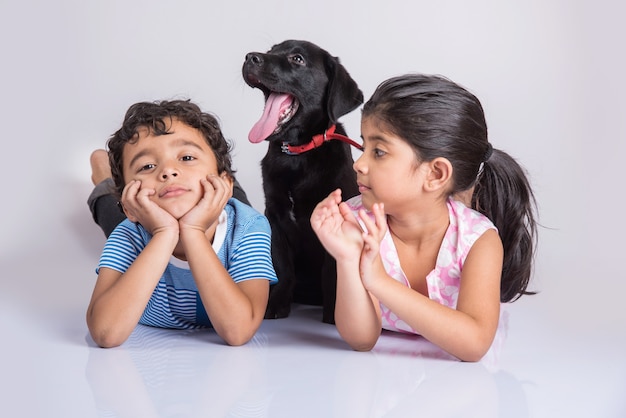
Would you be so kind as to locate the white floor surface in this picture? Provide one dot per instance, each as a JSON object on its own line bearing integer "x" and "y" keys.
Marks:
{"x": 552, "y": 79}
{"x": 299, "y": 367}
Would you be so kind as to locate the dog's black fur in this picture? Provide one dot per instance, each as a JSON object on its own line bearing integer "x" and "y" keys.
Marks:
{"x": 294, "y": 184}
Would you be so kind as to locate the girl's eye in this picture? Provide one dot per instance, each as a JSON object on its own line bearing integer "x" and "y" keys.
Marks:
{"x": 378, "y": 153}
{"x": 187, "y": 158}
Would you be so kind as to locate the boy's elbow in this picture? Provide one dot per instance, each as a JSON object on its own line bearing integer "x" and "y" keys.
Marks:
{"x": 107, "y": 338}
{"x": 236, "y": 337}
{"x": 237, "y": 342}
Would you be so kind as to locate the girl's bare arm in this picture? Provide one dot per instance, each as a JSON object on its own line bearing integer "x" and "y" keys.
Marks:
{"x": 357, "y": 313}
{"x": 468, "y": 331}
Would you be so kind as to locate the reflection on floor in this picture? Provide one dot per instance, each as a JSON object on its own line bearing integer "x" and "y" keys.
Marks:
{"x": 299, "y": 367}
{"x": 305, "y": 369}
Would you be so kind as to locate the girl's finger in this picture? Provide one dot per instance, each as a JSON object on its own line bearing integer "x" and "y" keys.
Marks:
{"x": 376, "y": 227}
{"x": 366, "y": 222}
{"x": 334, "y": 198}
{"x": 336, "y": 195}
{"x": 344, "y": 210}
{"x": 380, "y": 218}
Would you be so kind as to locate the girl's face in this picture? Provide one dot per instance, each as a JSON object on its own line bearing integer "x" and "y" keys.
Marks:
{"x": 172, "y": 165}
{"x": 388, "y": 170}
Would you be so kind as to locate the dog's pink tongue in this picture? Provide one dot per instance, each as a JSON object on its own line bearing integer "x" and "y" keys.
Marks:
{"x": 268, "y": 123}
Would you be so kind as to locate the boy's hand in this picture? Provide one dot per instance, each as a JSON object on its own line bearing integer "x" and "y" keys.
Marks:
{"x": 217, "y": 191}
{"x": 337, "y": 228}
{"x": 140, "y": 208}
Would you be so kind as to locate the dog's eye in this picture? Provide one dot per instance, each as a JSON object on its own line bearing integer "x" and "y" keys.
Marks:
{"x": 297, "y": 59}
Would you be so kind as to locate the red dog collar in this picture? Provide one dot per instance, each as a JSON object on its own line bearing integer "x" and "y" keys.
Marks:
{"x": 317, "y": 141}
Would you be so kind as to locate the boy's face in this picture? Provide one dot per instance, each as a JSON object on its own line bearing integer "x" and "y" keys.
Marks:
{"x": 172, "y": 165}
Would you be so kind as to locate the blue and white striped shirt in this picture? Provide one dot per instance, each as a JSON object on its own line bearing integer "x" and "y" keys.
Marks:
{"x": 245, "y": 252}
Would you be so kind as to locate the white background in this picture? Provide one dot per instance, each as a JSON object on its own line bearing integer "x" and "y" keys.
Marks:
{"x": 550, "y": 75}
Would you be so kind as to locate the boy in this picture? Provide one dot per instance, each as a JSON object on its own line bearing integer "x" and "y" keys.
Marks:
{"x": 188, "y": 255}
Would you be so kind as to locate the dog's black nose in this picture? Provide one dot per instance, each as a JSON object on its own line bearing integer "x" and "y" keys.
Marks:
{"x": 254, "y": 58}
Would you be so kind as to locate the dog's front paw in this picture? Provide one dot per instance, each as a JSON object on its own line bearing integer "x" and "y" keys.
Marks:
{"x": 328, "y": 317}
{"x": 277, "y": 312}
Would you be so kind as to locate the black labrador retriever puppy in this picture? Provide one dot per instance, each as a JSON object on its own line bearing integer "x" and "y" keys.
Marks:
{"x": 306, "y": 91}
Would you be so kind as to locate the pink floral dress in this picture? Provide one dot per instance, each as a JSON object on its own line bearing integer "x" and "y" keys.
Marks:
{"x": 466, "y": 226}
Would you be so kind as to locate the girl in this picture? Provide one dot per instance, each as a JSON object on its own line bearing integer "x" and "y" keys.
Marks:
{"x": 411, "y": 254}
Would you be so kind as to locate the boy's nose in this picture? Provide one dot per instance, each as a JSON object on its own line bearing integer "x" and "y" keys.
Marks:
{"x": 169, "y": 174}
{"x": 169, "y": 171}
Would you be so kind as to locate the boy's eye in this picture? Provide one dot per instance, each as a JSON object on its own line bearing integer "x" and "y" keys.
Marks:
{"x": 147, "y": 167}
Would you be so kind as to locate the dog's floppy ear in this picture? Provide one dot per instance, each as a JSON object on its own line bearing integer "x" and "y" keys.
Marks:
{"x": 344, "y": 94}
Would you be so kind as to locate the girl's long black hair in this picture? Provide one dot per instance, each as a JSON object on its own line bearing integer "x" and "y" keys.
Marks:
{"x": 439, "y": 118}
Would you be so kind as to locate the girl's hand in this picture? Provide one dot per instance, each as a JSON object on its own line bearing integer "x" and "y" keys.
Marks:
{"x": 138, "y": 207}
{"x": 371, "y": 265}
{"x": 337, "y": 228}
{"x": 217, "y": 191}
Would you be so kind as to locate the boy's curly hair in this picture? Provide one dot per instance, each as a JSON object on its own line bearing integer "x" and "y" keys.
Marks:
{"x": 157, "y": 117}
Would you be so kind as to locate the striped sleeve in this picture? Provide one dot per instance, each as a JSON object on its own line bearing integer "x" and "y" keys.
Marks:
{"x": 251, "y": 256}
{"x": 122, "y": 247}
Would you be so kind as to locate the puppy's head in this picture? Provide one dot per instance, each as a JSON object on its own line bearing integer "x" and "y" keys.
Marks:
{"x": 306, "y": 90}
